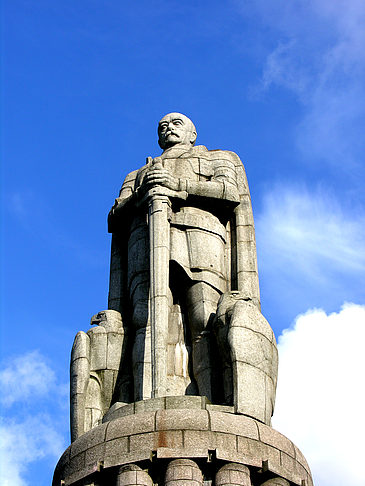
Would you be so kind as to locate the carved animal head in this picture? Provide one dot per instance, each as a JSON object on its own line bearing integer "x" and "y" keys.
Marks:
{"x": 226, "y": 304}
{"x": 111, "y": 320}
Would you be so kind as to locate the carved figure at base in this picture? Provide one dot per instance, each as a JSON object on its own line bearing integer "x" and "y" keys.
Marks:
{"x": 98, "y": 375}
{"x": 249, "y": 356}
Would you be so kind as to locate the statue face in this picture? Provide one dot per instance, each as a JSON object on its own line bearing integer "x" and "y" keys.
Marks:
{"x": 176, "y": 129}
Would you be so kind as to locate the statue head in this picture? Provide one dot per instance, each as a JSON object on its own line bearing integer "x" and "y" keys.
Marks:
{"x": 176, "y": 129}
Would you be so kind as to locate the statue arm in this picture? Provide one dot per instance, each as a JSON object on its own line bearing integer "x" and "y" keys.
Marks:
{"x": 221, "y": 185}
{"x": 217, "y": 189}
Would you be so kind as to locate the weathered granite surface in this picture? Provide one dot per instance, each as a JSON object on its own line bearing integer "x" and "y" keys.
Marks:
{"x": 159, "y": 430}
{"x": 183, "y": 289}
{"x": 174, "y": 384}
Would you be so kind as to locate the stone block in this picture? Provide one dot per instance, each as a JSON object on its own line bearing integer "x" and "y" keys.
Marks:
{"x": 119, "y": 409}
{"x": 94, "y": 454}
{"x": 288, "y": 463}
{"x": 132, "y": 475}
{"x": 233, "y": 424}
{"x": 151, "y": 405}
{"x": 182, "y": 419}
{"x": 209, "y": 440}
{"x": 154, "y": 440}
{"x": 276, "y": 482}
{"x": 255, "y": 448}
{"x": 219, "y": 408}
{"x": 77, "y": 463}
{"x": 186, "y": 402}
{"x": 126, "y": 458}
{"x": 275, "y": 439}
{"x": 183, "y": 472}
{"x": 129, "y": 425}
{"x": 115, "y": 449}
{"x": 90, "y": 439}
{"x": 300, "y": 458}
{"x": 233, "y": 474}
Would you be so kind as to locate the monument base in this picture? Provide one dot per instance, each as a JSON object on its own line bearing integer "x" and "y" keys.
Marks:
{"x": 181, "y": 441}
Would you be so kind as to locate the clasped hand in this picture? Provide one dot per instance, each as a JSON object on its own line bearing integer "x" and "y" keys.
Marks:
{"x": 158, "y": 176}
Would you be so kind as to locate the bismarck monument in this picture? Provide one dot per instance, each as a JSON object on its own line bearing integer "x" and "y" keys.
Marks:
{"x": 174, "y": 384}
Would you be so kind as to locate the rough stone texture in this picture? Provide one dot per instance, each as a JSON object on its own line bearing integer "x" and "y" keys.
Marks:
{"x": 175, "y": 383}
{"x": 233, "y": 474}
{"x": 247, "y": 342}
{"x": 182, "y": 235}
{"x": 191, "y": 433}
{"x": 183, "y": 472}
{"x": 183, "y": 263}
{"x": 132, "y": 475}
{"x": 96, "y": 360}
{"x": 276, "y": 482}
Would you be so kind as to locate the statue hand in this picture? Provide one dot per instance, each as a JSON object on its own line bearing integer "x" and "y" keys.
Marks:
{"x": 161, "y": 177}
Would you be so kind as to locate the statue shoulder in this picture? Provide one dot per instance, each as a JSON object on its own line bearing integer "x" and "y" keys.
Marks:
{"x": 131, "y": 177}
{"x": 228, "y": 157}
{"x": 224, "y": 155}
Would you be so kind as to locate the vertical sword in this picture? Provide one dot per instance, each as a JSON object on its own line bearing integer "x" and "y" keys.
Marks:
{"x": 159, "y": 209}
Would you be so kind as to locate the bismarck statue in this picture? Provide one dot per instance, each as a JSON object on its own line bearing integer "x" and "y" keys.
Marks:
{"x": 182, "y": 365}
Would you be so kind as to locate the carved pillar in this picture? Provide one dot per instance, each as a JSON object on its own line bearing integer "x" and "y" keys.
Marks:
{"x": 183, "y": 472}
{"x": 132, "y": 475}
{"x": 233, "y": 475}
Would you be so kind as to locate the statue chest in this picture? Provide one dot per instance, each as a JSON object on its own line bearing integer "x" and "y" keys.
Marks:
{"x": 193, "y": 168}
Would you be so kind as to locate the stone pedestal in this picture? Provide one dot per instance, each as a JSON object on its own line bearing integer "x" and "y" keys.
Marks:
{"x": 181, "y": 441}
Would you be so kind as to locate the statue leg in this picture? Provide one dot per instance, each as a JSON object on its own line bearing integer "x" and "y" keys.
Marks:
{"x": 142, "y": 365}
{"x": 201, "y": 304}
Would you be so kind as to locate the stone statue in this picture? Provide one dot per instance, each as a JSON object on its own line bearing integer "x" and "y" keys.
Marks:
{"x": 184, "y": 283}
{"x": 174, "y": 384}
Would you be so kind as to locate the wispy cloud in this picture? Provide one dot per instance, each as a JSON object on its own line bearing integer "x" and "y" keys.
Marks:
{"x": 25, "y": 376}
{"x": 24, "y": 442}
{"x": 319, "y": 55}
{"x": 320, "y": 395}
{"x": 29, "y": 431}
{"x": 311, "y": 229}
{"x": 310, "y": 245}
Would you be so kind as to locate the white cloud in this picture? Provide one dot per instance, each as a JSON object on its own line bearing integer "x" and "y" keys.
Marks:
{"x": 320, "y": 396}
{"x": 311, "y": 245}
{"x": 25, "y": 442}
{"x": 311, "y": 228}
{"x": 320, "y": 56}
{"x": 33, "y": 421}
{"x": 25, "y": 376}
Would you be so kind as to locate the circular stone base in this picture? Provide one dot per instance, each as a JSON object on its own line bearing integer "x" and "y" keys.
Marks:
{"x": 152, "y": 432}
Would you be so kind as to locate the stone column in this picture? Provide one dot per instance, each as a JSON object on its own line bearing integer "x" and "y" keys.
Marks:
{"x": 183, "y": 472}
{"x": 233, "y": 474}
{"x": 276, "y": 482}
{"x": 132, "y": 475}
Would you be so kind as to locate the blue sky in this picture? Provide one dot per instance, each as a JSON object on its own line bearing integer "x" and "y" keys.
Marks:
{"x": 83, "y": 87}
